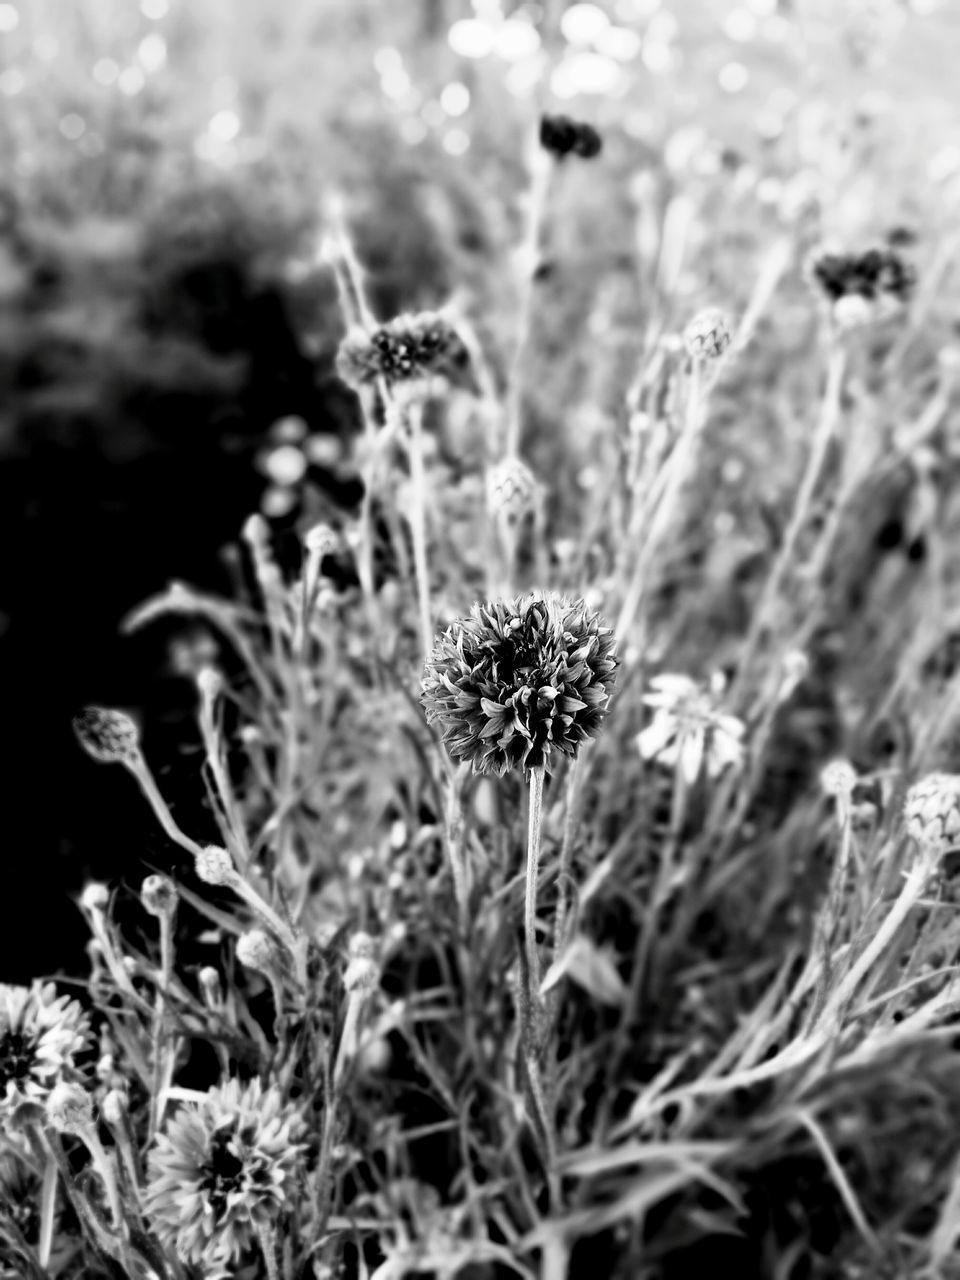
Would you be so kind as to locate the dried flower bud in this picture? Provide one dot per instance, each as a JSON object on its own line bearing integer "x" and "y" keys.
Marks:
{"x": 511, "y": 490}
{"x": 931, "y": 811}
{"x": 707, "y": 336}
{"x": 109, "y": 736}
{"x": 407, "y": 349}
{"x": 255, "y": 950}
{"x": 95, "y": 897}
{"x": 210, "y": 682}
{"x": 209, "y": 981}
{"x": 562, "y": 136}
{"x": 838, "y": 778}
{"x": 69, "y": 1109}
{"x": 159, "y": 896}
{"x": 214, "y": 865}
{"x": 114, "y": 1107}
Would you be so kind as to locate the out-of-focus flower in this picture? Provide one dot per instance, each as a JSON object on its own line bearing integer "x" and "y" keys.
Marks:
{"x": 862, "y": 286}
{"x": 562, "y": 136}
{"x": 511, "y": 490}
{"x": 107, "y": 735}
{"x": 70, "y": 1109}
{"x": 688, "y": 729}
{"x": 838, "y": 778}
{"x": 517, "y": 680}
{"x": 406, "y": 349}
{"x": 222, "y": 1170}
{"x": 40, "y": 1034}
{"x": 931, "y": 811}
{"x": 707, "y": 336}
{"x": 256, "y": 950}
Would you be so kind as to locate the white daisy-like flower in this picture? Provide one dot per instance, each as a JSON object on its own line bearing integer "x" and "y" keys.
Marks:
{"x": 688, "y": 730}
{"x": 40, "y": 1034}
{"x": 224, "y": 1169}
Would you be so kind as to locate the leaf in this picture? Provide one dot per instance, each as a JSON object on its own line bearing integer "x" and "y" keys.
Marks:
{"x": 590, "y": 968}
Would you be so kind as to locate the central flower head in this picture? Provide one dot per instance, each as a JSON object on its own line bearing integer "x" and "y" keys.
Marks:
{"x": 519, "y": 679}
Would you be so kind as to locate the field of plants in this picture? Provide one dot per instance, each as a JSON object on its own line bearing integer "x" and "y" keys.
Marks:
{"x": 480, "y": 639}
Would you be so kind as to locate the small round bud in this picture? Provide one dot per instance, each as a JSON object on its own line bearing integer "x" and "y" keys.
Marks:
{"x": 214, "y": 865}
{"x": 511, "y": 490}
{"x": 362, "y": 976}
{"x": 114, "y": 1107}
{"x": 931, "y": 811}
{"x": 322, "y": 540}
{"x": 210, "y": 682}
{"x": 95, "y": 897}
{"x": 838, "y": 778}
{"x": 69, "y": 1109}
{"x": 209, "y": 981}
{"x": 159, "y": 896}
{"x": 256, "y": 531}
{"x": 109, "y": 736}
{"x": 255, "y": 950}
{"x": 707, "y": 336}
{"x": 374, "y": 1056}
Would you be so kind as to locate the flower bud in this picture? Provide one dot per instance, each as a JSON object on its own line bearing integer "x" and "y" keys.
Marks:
{"x": 109, "y": 736}
{"x": 209, "y": 981}
{"x": 214, "y": 865}
{"x": 322, "y": 540}
{"x": 931, "y": 812}
{"x": 69, "y": 1109}
{"x": 511, "y": 490}
{"x": 838, "y": 778}
{"x": 114, "y": 1107}
{"x": 707, "y": 336}
{"x": 362, "y": 976}
{"x": 95, "y": 897}
{"x": 255, "y": 950}
{"x": 210, "y": 682}
{"x": 159, "y": 896}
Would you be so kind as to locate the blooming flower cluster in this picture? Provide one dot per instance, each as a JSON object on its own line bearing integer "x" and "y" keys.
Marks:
{"x": 223, "y": 1170}
{"x": 688, "y": 729}
{"x": 406, "y": 349}
{"x": 518, "y": 680}
{"x": 40, "y": 1035}
{"x": 562, "y": 136}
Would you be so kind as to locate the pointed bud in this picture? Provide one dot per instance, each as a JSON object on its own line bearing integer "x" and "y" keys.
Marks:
{"x": 109, "y": 736}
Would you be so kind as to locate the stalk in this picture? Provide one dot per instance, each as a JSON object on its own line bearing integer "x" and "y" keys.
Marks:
{"x": 418, "y": 525}
{"x": 534, "y": 829}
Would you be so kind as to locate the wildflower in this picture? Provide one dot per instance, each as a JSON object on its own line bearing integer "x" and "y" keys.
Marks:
{"x": 931, "y": 811}
{"x": 880, "y": 278}
{"x": 255, "y": 950}
{"x": 562, "y": 136}
{"x": 222, "y": 1172}
{"x": 159, "y": 896}
{"x": 405, "y": 349}
{"x": 107, "y": 735}
{"x": 321, "y": 540}
{"x": 214, "y": 865}
{"x": 95, "y": 897}
{"x": 69, "y": 1108}
{"x": 511, "y": 490}
{"x": 688, "y": 729}
{"x": 707, "y": 336}
{"x": 40, "y": 1034}
{"x": 838, "y": 778}
{"x": 209, "y": 981}
{"x": 519, "y": 679}
{"x": 209, "y": 683}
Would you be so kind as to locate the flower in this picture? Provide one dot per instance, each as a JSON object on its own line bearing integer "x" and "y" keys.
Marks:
{"x": 107, "y": 735}
{"x": 40, "y": 1034}
{"x": 838, "y": 778}
{"x": 159, "y": 896}
{"x": 405, "y": 349}
{"x": 707, "y": 336}
{"x": 562, "y": 136}
{"x": 688, "y": 729}
{"x": 878, "y": 280}
{"x": 223, "y": 1169}
{"x": 69, "y": 1108}
{"x": 214, "y": 865}
{"x": 511, "y": 490}
{"x": 931, "y": 811}
{"x": 519, "y": 679}
{"x": 256, "y": 950}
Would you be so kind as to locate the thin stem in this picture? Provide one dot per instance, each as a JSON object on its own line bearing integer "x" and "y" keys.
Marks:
{"x": 455, "y": 848}
{"x": 534, "y": 828}
{"x": 566, "y": 855}
{"x": 265, "y": 911}
{"x": 103, "y": 1166}
{"x": 829, "y": 415}
{"x": 268, "y": 1247}
{"x": 159, "y": 1021}
{"x": 418, "y": 525}
{"x": 161, "y": 809}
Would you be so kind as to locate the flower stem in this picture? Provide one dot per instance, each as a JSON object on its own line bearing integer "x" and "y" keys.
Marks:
{"x": 534, "y": 827}
{"x": 566, "y": 854}
{"x": 541, "y": 176}
{"x": 418, "y": 525}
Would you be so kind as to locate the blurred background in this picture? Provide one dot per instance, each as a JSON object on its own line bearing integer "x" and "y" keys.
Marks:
{"x": 168, "y": 325}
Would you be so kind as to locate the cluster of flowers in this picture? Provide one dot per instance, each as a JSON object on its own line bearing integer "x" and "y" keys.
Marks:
{"x": 562, "y": 137}
{"x": 406, "y": 349}
{"x": 861, "y": 286}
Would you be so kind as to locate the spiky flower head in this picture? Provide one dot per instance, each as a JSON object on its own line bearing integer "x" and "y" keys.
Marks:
{"x": 519, "y": 679}
{"x": 224, "y": 1170}
{"x": 159, "y": 896}
{"x": 214, "y": 865}
{"x": 406, "y": 349}
{"x": 689, "y": 729}
{"x": 707, "y": 336}
{"x": 69, "y": 1108}
{"x": 40, "y": 1035}
{"x": 931, "y": 811}
{"x": 511, "y": 490}
{"x": 109, "y": 736}
{"x": 562, "y": 136}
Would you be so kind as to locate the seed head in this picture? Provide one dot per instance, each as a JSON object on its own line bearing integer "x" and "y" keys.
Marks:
{"x": 562, "y": 136}
{"x": 931, "y": 811}
{"x": 214, "y": 865}
{"x": 255, "y": 950}
{"x": 159, "y": 896}
{"x": 109, "y": 736}
{"x": 519, "y": 679}
{"x": 406, "y": 349}
{"x": 69, "y": 1109}
{"x": 511, "y": 490}
{"x": 707, "y": 336}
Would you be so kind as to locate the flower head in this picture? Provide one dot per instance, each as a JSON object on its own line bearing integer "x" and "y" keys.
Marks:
{"x": 256, "y": 950}
{"x": 221, "y": 1170}
{"x": 517, "y": 680}
{"x": 838, "y": 778}
{"x": 511, "y": 490}
{"x": 931, "y": 811}
{"x": 862, "y": 286}
{"x": 562, "y": 136}
{"x": 688, "y": 729}
{"x": 214, "y": 865}
{"x": 107, "y": 735}
{"x": 40, "y": 1034}
{"x": 159, "y": 896}
{"x": 405, "y": 349}
{"x": 707, "y": 336}
{"x": 69, "y": 1108}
